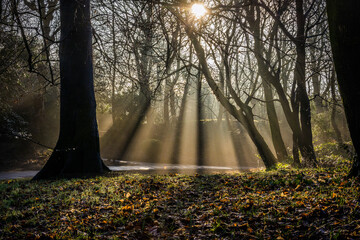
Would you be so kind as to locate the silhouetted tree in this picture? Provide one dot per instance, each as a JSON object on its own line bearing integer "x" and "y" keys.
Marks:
{"x": 344, "y": 34}
{"x": 77, "y": 150}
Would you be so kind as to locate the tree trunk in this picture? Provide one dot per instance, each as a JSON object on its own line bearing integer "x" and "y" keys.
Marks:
{"x": 305, "y": 138}
{"x": 344, "y": 28}
{"x": 222, "y": 88}
{"x": 166, "y": 101}
{"x": 276, "y": 136}
{"x": 200, "y": 126}
{"x": 338, "y": 137}
{"x": 305, "y": 141}
{"x": 316, "y": 85}
{"x": 180, "y": 123}
{"x": 77, "y": 151}
{"x": 295, "y": 151}
{"x": 114, "y": 62}
{"x": 172, "y": 92}
{"x": 315, "y": 79}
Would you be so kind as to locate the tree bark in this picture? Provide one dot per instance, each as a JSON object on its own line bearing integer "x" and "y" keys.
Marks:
{"x": 344, "y": 21}
{"x": 77, "y": 151}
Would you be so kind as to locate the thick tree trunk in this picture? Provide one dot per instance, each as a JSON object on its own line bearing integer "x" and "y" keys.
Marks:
{"x": 77, "y": 151}
{"x": 344, "y": 28}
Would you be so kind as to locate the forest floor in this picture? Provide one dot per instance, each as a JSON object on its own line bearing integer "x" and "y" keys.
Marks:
{"x": 284, "y": 204}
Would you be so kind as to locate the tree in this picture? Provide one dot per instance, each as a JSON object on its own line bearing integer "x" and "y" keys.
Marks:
{"x": 297, "y": 111}
{"x": 77, "y": 151}
{"x": 257, "y": 32}
{"x": 245, "y": 115}
{"x": 344, "y": 35}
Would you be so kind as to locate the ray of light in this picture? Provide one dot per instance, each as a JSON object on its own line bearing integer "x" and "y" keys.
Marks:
{"x": 144, "y": 146}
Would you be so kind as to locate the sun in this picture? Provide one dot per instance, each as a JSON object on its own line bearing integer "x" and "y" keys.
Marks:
{"x": 198, "y": 10}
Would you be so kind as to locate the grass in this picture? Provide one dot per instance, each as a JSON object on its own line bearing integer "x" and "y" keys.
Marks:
{"x": 282, "y": 204}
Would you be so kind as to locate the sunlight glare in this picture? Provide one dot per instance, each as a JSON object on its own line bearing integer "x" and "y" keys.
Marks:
{"x": 198, "y": 10}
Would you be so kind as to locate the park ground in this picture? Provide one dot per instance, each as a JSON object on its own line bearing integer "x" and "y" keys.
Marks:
{"x": 319, "y": 203}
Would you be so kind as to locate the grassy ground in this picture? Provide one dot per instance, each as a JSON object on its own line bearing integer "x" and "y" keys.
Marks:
{"x": 282, "y": 204}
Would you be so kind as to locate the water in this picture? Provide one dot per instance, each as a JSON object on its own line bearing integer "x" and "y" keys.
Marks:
{"x": 128, "y": 166}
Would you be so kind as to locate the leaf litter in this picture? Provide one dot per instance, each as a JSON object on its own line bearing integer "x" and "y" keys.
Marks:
{"x": 283, "y": 204}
